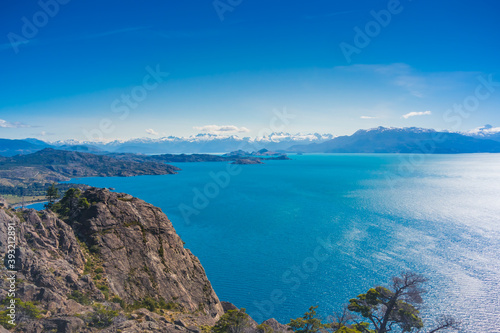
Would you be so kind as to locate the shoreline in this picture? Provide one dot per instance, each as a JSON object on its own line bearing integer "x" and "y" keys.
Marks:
{"x": 27, "y": 203}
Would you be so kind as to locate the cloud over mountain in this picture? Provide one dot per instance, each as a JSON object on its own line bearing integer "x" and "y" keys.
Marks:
{"x": 414, "y": 114}
{"x": 151, "y": 131}
{"x": 215, "y": 129}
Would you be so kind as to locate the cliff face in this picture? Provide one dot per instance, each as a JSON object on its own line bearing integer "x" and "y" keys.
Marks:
{"x": 109, "y": 255}
{"x": 135, "y": 237}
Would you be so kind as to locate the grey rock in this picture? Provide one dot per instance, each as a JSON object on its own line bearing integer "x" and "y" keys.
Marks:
{"x": 135, "y": 245}
{"x": 276, "y": 326}
{"x": 228, "y": 306}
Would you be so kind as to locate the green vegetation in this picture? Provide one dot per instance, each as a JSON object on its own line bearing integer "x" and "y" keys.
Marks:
{"x": 52, "y": 195}
{"x": 94, "y": 249}
{"x": 93, "y": 267}
{"x": 71, "y": 201}
{"x": 27, "y": 190}
{"x": 309, "y": 323}
{"x": 118, "y": 300}
{"x": 233, "y": 321}
{"x": 79, "y": 297}
{"x": 15, "y": 200}
{"x": 84, "y": 203}
{"x": 20, "y": 216}
{"x": 24, "y": 312}
{"x": 264, "y": 328}
{"x": 379, "y": 310}
{"x": 104, "y": 289}
{"x": 30, "y": 175}
{"x": 101, "y": 316}
{"x": 31, "y": 191}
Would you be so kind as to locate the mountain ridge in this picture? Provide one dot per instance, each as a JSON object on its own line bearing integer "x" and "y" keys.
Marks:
{"x": 402, "y": 140}
{"x": 50, "y": 165}
{"x": 207, "y": 143}
{"x": 485, "y": 132}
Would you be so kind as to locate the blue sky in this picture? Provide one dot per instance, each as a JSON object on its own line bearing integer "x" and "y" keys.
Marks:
{"x": 237, "y": 63}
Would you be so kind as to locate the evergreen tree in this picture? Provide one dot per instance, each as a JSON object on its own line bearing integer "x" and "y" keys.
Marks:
{"x": 309, "y": 323}
{"x": 379, "y": 310}
{"x": 52, "y": 194}
{"x": 233, "y": 321}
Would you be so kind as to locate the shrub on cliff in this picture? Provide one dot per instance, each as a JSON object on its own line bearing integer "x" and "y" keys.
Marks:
{"x": 102, "y": 316}
{"x": 233, "y": 321}
{"x": 79, "y": 297}
{"x": 309, "y": 323}
{"x": 71, "y": 201}
{"x": 24, "y": 311}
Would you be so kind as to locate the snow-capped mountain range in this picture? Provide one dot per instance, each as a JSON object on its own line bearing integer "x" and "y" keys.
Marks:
{"x": 408, "y": 140}
{"x": 379, "y": 139}
{"x": 382, "y": 129}
{"x": 485, "y": 132}
{"x": 201, "y": 143}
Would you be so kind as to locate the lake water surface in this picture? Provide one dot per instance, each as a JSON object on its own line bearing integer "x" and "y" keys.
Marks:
{"x": 320, "y": 229}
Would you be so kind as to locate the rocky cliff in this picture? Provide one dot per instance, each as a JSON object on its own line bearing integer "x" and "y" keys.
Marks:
{"x": 100, "y": 261}
{"x": 105, "y": 262}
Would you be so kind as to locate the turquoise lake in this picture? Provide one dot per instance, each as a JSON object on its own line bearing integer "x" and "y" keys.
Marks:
{"x": 320, "y": 229}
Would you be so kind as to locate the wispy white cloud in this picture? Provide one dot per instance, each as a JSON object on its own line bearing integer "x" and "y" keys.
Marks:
{"x": 151, "y": 131}
{"x": 8, "y": 124}
{"x": 414, "y": 84}
{"x": 368, "y": 117}
{"x": 43, "y": 133}
{"x": 221, "y": 129}
{"x": 399, "y": 74}
{"x": 414, "y": 114}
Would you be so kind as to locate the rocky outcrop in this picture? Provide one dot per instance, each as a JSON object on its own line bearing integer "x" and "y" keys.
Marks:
{"x": 275, "y": 326}
{"x": 268, "y": 326}
{"x": 142, "y": 255}
{"x": 105, "y": 262}
{"x": 118, "y": 252}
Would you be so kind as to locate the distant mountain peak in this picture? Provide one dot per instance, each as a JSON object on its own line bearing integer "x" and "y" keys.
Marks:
{"x": 395, "y": 129}
{"x": 485, "y": 132}
{"x": 403, "y": 140}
